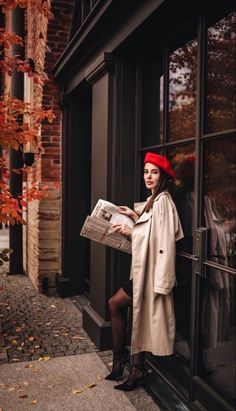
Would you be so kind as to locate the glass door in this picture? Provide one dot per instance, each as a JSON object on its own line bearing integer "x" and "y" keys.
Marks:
{"x": 188, "y": 114}
{"x": 214, "y": 337}
{"x": 215, "y": 334}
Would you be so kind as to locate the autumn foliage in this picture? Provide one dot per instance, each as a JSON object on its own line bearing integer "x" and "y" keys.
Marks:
{"x": 19, "y": 124}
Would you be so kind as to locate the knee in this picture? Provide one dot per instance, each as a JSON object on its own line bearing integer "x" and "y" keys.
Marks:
{"x": 113, "y": 305}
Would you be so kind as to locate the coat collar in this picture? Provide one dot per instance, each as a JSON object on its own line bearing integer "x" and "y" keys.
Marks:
{"x": 147, "y": 215}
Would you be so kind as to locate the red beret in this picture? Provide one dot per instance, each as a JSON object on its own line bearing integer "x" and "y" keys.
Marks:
{"x": 161, "y": 162}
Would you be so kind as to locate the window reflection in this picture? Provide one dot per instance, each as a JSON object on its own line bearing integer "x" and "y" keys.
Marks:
{"x": 216, "y": 356}
{"x": 220, "y": 82}
{"x": 182, "y": 91}
{"x": 216, "y": 360}
{"x": 219, "y": 200}
{"x": 183, "y": 160}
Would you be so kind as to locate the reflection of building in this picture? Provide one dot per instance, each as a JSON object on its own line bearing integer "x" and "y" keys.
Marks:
{"x": 112, "y": 103}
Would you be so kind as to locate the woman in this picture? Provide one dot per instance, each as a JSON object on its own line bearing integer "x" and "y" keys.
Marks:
{"x": 153, "y": 276}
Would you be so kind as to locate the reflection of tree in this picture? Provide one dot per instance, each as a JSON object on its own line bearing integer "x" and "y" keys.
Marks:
{"x": 182, "y": 96}
{"x": 220, "y": 175}
{"x": 220, "y": 97}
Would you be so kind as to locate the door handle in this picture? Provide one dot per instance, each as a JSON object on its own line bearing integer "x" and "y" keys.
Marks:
{"x": 200, "y": 249}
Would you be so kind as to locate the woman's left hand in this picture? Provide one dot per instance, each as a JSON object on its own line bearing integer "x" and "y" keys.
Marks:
{"x": 123, "y": 229}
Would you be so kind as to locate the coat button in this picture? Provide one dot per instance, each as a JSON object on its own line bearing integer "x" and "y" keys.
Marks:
{"x": 161, "y": 251}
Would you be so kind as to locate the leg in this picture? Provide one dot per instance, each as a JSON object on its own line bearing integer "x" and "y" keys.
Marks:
{"x": 137, "y": 374}
{"x": 118, "y": 305}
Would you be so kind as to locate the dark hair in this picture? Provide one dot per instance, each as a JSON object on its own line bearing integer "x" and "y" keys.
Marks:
{"x": 162, "y": 185}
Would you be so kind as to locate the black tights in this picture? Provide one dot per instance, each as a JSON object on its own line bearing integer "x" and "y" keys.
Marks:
{"x": 118, "y": 305}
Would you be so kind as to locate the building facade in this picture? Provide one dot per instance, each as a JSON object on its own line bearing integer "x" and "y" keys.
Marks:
{"x": 125, "y": 78}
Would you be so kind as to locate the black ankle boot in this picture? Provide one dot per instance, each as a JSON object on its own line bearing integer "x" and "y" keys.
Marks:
{"x": 131, "y": 383}
{"x": 119, "y": 361}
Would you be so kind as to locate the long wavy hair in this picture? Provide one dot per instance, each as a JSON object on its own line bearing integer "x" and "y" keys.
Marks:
{"x": 162, "y": 186}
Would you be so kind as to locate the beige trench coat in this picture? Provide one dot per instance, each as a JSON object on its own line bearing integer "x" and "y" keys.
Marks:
{"x": 153, "y": 272}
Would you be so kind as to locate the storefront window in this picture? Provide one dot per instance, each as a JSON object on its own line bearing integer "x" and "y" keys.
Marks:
{"x": 219, "y": 199}
{"x": 220, "y": 80}
{"x": 152, "y": 104}
{"x": 182, "y": 190}
{"x": 182, "y": 91}
{"x": 216, "y": 355}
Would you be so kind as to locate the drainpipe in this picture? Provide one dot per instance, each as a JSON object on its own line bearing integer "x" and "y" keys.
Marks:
{"x": 16, "y": 157}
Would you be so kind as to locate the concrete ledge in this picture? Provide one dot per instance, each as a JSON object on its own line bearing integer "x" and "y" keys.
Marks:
{"x": 97, "y": 329}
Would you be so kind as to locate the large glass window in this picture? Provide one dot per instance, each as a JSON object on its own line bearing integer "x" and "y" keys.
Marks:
{"x": 216, "y": 355}
{"x": 182, "y": 91}
{"x": 220, "y": 80}
{"x": 219, "y": 199}
{"x": 182, "y": 190}
{"x": 187, "y": 98}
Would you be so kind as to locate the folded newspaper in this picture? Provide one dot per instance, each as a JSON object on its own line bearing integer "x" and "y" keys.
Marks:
{"x": 99, "y": 226}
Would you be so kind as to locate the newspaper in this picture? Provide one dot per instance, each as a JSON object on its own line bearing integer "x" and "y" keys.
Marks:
{"x": 99, "y": 226}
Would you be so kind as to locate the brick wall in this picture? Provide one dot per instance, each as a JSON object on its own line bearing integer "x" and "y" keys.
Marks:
{"x": 45, "y": 43}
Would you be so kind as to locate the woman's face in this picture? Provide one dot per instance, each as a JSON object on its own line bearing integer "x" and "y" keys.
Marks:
{"x": 151, "y": 176}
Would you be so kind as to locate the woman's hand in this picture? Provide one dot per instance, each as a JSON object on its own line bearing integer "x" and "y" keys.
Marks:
{"x": 122, "y": 229}
{"x": 130, "y": 213}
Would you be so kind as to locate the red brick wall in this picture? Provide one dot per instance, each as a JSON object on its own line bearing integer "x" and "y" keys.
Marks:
{"x": 45, "y": 44}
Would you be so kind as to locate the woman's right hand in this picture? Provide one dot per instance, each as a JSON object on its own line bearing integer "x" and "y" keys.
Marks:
{"x": 127, "y": 211}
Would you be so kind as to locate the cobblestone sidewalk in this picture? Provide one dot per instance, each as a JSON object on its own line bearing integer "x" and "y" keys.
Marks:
{"x": 35, "y": 325}
{"x": 40, "y": 327}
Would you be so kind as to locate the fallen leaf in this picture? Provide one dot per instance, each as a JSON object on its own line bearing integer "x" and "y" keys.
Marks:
{"x": 65, "y": 334}
{"x": 14, "y": 342}
{"x": 29, "y": 366}
{"x": 23, "y": 396}
{"x": 77, "y": 391}
{"x": 31, "y": 338}
{"x": 37, "y": 346}
{"x": 46, "y": 358}
{"x": 48, "y": 323}
{"x": 18, "y": 330}
{"x": 34, "y": 402}
{"x": 99, "y": 378}
{"x": 79, "y": 338}
{"x": 53, "y": 306}
{"x": 91, "y": 385}
{"x": 11, "y": 389}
